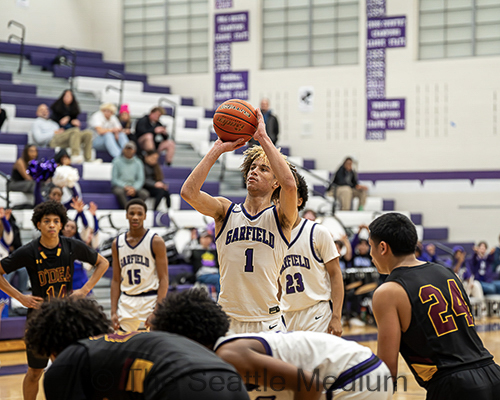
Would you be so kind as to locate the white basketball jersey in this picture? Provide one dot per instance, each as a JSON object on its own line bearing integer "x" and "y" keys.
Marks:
{"x": 250, "y": 250}
{"x": 137, "y": 264}
{"x": 303, "y": 276}
{"x": 329, "y": 354}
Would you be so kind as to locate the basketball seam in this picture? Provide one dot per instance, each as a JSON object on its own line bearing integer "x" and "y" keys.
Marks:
{"x": 232, "y": 133}
{"x": 235, "y": 116}
{"x": 254, "y": 113}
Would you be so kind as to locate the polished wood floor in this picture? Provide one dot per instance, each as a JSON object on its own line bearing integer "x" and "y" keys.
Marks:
{"x": 11, "y": 353}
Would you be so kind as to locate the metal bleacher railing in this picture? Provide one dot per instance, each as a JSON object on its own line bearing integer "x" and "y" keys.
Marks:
{"x": 20, "y": 39}
{"x": 71, "y": 63}
{"x": 116, "y": 74}
{"x": 7, "y": 189}
{"x": 173, "y": 105}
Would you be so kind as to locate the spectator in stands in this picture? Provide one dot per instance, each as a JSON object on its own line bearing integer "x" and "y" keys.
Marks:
{"x": 481, "y": 267}
{"x": 65, "y": 111}
{"x": 21, "y": 181}
{"x": 127, "y": 179}
{"x": 151, "y": 134}
{"x": 345, "y": 255}
{"x": 347, "y": 186}
{"x": 44, "y": 129}
{"x": 361, "y": 257}
{"x": 496, "y": 258}
{"x": 202, "y": 255}
{"x": 126, "y": 121}
{"x": 427, "y": 254}
{"x": 3, "y": 117}
{"x": 153, "y": 182}
{"x": 272, "y": 125}
{"x": 109, "y": 132}
{"x": 460, "y": 267}
{"x": 310, "y": 215}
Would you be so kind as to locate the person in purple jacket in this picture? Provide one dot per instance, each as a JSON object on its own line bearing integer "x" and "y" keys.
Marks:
{"x": 481, "y": 266}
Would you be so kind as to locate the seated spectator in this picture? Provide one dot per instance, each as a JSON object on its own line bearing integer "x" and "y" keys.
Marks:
{"x": 3, "y": 117}
{"x": 427, "y": 254}
{"x": 345, "y": 255}
{"x": 21, "y": 181}
{"x": 346, "y": 180}
{"x": 361, "y": 257}
{"x": 127, "y": 179}
{"x": 201, "y": 253}
{"x": 65, "y": 111}
{"x": 496, "y": 259}
{"x": 44, "y": 129}
{"x": 153, "y": 182}
{"x": 151, "y": 134}
{"x": 109, "y": 131}
{"x": 126, "y": 121}
{"x": 481, "y": 267}
{"x": 459, "y": 266}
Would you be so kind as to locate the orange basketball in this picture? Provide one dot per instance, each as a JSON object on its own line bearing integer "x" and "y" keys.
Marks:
{"x": 235, "y": 119}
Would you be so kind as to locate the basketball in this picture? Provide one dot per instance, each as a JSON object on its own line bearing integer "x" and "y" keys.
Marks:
{"x": 235, "y": 119}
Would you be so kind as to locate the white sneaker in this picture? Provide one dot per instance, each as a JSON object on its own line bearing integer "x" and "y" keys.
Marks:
{"x": 356, "y": 322}
{"x": 77, "y": 159}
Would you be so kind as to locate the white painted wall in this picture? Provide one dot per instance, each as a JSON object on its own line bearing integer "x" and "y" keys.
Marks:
{"x": 450, "y": 107}
{"x": 88, "y": 25}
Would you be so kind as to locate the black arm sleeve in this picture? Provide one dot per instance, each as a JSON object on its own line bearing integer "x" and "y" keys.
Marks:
{"x": 68, "y": 377}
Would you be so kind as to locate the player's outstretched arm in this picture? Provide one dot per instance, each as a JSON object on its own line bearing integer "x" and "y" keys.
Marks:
{"x": 252, "y": 364}
{"x": 115, "y": 286}
{"x": 389, "y": 324}
{"x": 160, "y": 253}
{"x": 26, "y": 300}
{"x": 288, "y": 194}
{"x": 101, "y": 267}
{"x": 214, "y": 207}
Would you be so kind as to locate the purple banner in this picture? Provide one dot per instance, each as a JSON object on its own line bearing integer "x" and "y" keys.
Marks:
{"x": 386, "y": 32}
{"x": 382, "y": 33}
{"x": 230, "y": 85}
{"x": 223, "y": 4}
{"x": 231, "y": 27}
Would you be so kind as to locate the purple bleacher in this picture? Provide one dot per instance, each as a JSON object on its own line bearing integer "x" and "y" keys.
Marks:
{"x": 24, "y": 100}
{"x": 416, "y": 218}
{"x": 103, "y": 201}
{"x": 6, "y": 76}
{"x": 9, "y": 87}
{"x": 435, "y": 234}
{"x": 468, "y": 247}
{"x": 161, "y": 219}
{"x": 309, "y": 164}
{"x": 388, "y": 205}
{"x": 185, "y": 205}
{"x": 104, "y": 155}
{"x": 65, "y": 72}
{"x": 180, "y": 288}
{"x": 214, "y": 137}
{"x": 26, "y": 111}
{"x": 421, "y": 176}
{"x": 15, "y": 48}
{"x": 14, "y": 138}
{"x": 237, "y": 199}
{"x": 319, "y": 190}
{"x": 6, "y": 167}
{"x": 174, "y": 270}
{"x": 285, "y": 151}
{"x": 191, "y": 123}
{"x": 44, "y": 153}
{"x": 45, "y": 60}
{"x": 175, "y": 172}
{"x": 209, "y": 113}
{"x": 175, "y": 185}
{"x": 168, "y": 111}
{"x": 91, "y": 186}
{"x": 187, "y": 101}
{"x": 12, "y": 328}
{"x": 156, "y": 89}
{"x": 240, "y": 150}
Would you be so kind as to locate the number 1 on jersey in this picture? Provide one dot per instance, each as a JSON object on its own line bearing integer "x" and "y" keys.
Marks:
{"x": 249, "y": 260}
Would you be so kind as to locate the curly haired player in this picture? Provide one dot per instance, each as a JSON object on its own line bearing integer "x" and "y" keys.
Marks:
{"x": 252, "y": 238}
{"x": 49, "y": 261}
{"x": 91, "y": 362}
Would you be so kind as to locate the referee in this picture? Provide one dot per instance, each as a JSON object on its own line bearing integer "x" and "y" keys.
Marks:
{"x": 49, "y": 261}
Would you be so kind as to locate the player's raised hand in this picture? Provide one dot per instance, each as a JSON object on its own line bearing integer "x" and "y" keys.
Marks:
{"x": 30, "y": 301}
{"x": 260, "y": 133}
{"x": 92, "y": 208}
{"x": 225, "y": 147}
{"x": 2, "y": 212}
{"x": 77, "y": 204}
